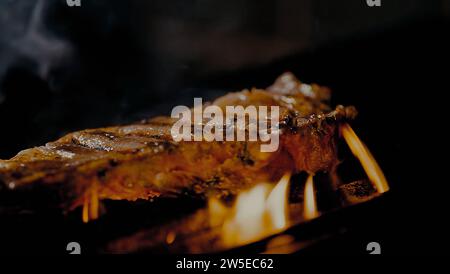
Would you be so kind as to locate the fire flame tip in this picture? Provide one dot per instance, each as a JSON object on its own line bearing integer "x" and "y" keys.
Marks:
{"x": 366, "y": 159}
{"x": 310, "y": 205}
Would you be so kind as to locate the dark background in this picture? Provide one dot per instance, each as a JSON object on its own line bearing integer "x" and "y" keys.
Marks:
{"x": 112, "y": 62}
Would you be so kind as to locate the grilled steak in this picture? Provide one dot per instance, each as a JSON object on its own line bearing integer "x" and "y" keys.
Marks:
{"x": 141, "y": 161}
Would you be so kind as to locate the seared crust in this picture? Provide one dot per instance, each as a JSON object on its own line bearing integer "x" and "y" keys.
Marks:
{"x": 141, "y": 161}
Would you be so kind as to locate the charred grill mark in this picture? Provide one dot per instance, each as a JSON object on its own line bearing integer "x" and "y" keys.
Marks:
{"x": 113, "y": 162}
{"x": 16, "y": 174}
{"x": 102, "y": 173}
{"x": 200, "y": 186}
{"x": 245, "y": 156}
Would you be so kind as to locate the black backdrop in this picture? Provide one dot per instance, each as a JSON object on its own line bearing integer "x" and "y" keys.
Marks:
{"x": 111, "y": 62}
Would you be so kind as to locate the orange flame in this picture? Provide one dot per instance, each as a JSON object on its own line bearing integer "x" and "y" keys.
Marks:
{"x": 91, "y": 205}
{"x": 217, "y": 212}
{"x": 363, "y": 154}
{"x": 257, "y": 213}
{"x": 309, "y": 204}
{"x": 277, "y": 203}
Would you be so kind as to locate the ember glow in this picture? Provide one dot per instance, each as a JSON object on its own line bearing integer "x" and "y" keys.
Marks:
{"x": 310, "y": 205}
{"x": 257, "y": 213}
{"x": 368, "y": 162}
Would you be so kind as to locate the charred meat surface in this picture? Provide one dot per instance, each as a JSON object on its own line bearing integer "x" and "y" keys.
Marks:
{"x": 141, "y": 161}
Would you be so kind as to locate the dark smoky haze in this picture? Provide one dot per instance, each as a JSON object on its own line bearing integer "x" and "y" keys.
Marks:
{"x": 113, "y": 62}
